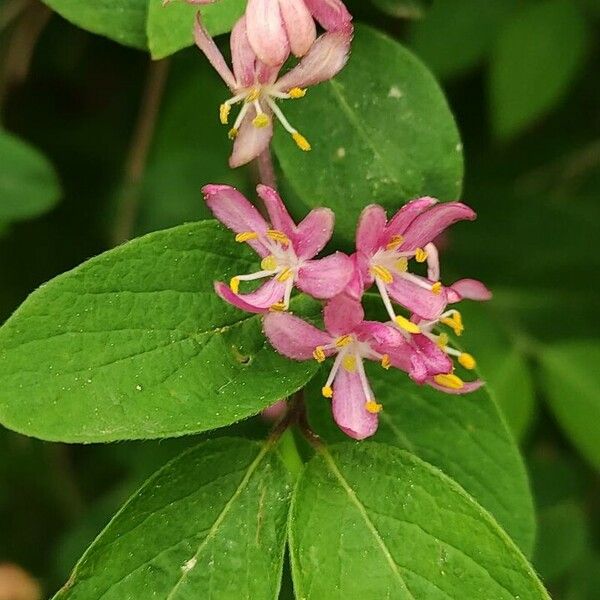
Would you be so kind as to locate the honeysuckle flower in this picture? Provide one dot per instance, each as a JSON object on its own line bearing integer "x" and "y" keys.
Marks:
{"x": 286, "y": 250}
{"x": 351, "y": 340}
{"x": 257, "y": 87}
{"x": 276, "y": 27}
{"x": 385, "y": 248}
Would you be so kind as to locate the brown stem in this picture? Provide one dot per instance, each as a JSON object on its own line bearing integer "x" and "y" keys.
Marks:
{"x": 128, "y": 205}
{"x": 10, "y": 11}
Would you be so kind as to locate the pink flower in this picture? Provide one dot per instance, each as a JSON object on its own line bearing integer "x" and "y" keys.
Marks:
{"x": 286, "y": 250}
{"x": 350, "y": 339}
{"x": 276, "y": 27}
{"x": 257, "y": 87}
{"x": 385, "y": 249}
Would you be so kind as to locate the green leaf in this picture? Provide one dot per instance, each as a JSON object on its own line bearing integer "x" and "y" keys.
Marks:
{"x": 404, "y": 9}
{"x": 170, "y": 27}
{"x": 456, "y": 35}
{"x": 381, "y": 132}
{"x": 571, "y": 381}
{"x": 135, "y": 344}
{"x": 28, "y": 184}
{"x": 372, "y": 521}
{"x": 123, "y": 21}
{"x": 211, "y": 524}
{"x": 537, "y": 55}
{"x": 464, "y": 436}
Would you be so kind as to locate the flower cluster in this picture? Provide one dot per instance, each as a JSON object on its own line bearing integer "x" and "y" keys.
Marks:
{"x": 385, "y": 256}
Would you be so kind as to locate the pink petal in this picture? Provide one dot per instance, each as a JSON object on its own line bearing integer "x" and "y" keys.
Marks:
{"x": 250, "y": 141}
{"x": 331, "y": 14}
{"x": 278, "y": 214}
{"x": 313, "y": 233}
{"x": 257, "y": 302}
{"x": 470, "y": 386}
{"x": 266, "y": 31}
{"x": 326, "y": 277}
{"x": 208, "y": 46}
{"x": 356, "y": 287}
{"x": 299, "y": 25}
{"x": 242, "y": 55}
{"x": 324, "y": 61}
{"x": 406, "y": 215}
{"x": 436, "y": 361}
{"x": 348, "y": 406}
{"x": 293, "y": 337}
{"x": 416, "y": 299}
{"x": 370, "y": 228}
{"x": 468, "y": 289}
{"x": 343, "y": 315}
{"x": 275, "y": 412}
{"x": 381, "y": 336}
{"x": 428, "y": 225}
{"x": 236, "y": 213}
{"x": 405, "y": 358}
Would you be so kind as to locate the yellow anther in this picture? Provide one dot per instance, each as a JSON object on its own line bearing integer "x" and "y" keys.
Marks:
{"x": 246, "y": 236}
{"x": 301, "y": 141}
{"x": 467, "y": 361}
{"x": 233, "y": 133}
{"x": 373, "y": 407}
{"x": 402, "y": 264}
{"x": 455, "y": 322}
{"x": 395, "y": 242}
{"x": 327, "y": 392}
{"x": 278, "y": 307}
{"x": 386, "y": 363}
{"x": 383, "y": 273}
{"x": 436, "y": 288}
{"x": 420, "y": 255}
{"x": 319, "y": 354}
{"x": 297, "y": 93}
{"x": 224, "y": 111}
{"x": 261, "y": 121}
{"x": 278, "y": 236}
{"x": 343, "y": 341}
{"x": 234, "y": 284}
{"x": 443, "y": 340}
{"x": 449, "y": 381}
{"x": 268, "y": 263}
{"x": 286, "y": 274}
{"x": 253, "y": 95}
{"x": 349, "y": 363}
{"x": 407, "y": 325}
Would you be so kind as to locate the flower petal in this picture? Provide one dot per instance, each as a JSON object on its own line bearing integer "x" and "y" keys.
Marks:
{"x": 331, "y": 14}
{"x": 242, "y": 55}
{"x": 278, "y": 214}
{"x": 266, "y": 31}
{"x": 324, "y": 61}
{"x": 406, "y": 215}
{"x": 313, "y": 233}
{"x": 428, "y": 225}
{"x": 468, "y": 289}
{"x": 293, "y": 337}
{"x": 436, "y": 361}
{"x": 348, "y": 406}
{"x": 256, "y": 302}
{"x": 405, "y": 358}
{"x": 250, "y": 141}
{"x": 343, "y": 315}
{"x": 416, "y": 299}
{"x": 326, "y": 277}
{"x": 370, "y": 228}
{"x": 299, "y": 24}
{"x": 468, "y": 387}
{"x": 208, "y": 46}
{"x": 381, "y": 336}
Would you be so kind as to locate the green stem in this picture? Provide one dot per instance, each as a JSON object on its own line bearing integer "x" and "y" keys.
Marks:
{"x": 289, "y": 453}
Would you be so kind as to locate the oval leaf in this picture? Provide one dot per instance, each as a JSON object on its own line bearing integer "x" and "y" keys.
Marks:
{"x": 136, "y": 344}
{"x": 211, "y": 524}
{"x": 372, "y": 521}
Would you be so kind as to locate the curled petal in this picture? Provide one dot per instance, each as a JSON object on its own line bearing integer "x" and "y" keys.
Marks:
{"x": 468, "y": 387}
{"x": 370, "y": 228}
{"x": 379, "y": 335}
{"x": 208, "y": 46}
{"x": 259, "y": 301}
{"x": 342, "y": 315}
{"x": 313, "y": 232}
{"x": 324, "y": 61}
{"x": 348, "y": 406}
{"x": 416, "y": 299}
{"x": 405, "y": 358}
{"x": 326, "y": 277}
{"x": 299, "y": 25}
{"x": 294, "y": 337}
{"x": 278, "y": 214}
{"x": 399, "y": 223}
{"x": 331, "y": 14}
{"x": 242, "y": 55}
{"x": 266, "y": 31}
{"x": 251, "y": 141}
{"x": 435, "y": 360}
{"x": 468, "y": 289}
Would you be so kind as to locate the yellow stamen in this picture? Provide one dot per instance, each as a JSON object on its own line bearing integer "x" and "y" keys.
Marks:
{"x": 278, "y": 236}
{"x": 383, "y": 274}
{"x": 234, "y": 284}
{"x": 407, "y": 325}
{"x": 420, "y": 255}
{"x": 319, "y": 354}
{"x": 286, "y": 274}
{"x": 455, "y": 322}
{"x": 449, "y": 381}
{"x": 224, "y": 111}
{"x": 278, "y": 307}
{"x": 467, "y": 361}
{"x": 246, "y": 236}
{"x": 349, "y": 363}
{"x": 442, "y": 340}
{"x": 395, "y": 242}
{"x": 233, "y": 133}
{"x": 301, "y": 142}
{"x": 297, "y": 93}
{"x": 268, "y": 263}
{"x": 327, "y": 392}
{"x": 386, "y": 363}
{"x": 253, "y": 95}
{"x": 373, "y": 407}
{"x": 343, "y": 341}
{"x": 402, "y": 264}
{"x": 261, "y": 121}
{"x": 436, "y": 288}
